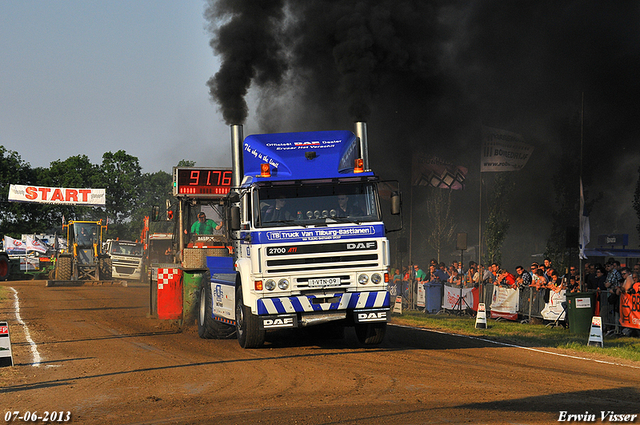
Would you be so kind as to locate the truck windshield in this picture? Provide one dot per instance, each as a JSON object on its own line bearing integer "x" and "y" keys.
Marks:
{"x": 314, "y": 204}
{"x": 126, "y": 248}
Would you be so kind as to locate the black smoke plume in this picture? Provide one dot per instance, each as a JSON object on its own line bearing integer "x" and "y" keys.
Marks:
{"x": 247, "y": 42}
{"x": 427, "y": 75}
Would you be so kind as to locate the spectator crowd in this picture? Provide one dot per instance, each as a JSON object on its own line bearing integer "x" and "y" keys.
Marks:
{"x": 609, "y": 280}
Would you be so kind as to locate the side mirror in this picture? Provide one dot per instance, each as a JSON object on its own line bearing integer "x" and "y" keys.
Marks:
{"x": 235, "y": 218}
{"x": 396, "y": 203}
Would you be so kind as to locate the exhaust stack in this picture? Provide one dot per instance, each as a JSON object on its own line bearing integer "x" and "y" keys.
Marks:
{"x": 236, "y": 154}
{"x": 361, "y": 134}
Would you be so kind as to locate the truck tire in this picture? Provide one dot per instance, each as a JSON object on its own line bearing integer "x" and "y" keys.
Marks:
{"x": 64, "y": 267}
{"x": 371, "y": 333}
{"x": 247, "y": 325}
{"x": 208, "y": 327}
{"x": 105, "y": 268}
{"x": 5, "y": 266}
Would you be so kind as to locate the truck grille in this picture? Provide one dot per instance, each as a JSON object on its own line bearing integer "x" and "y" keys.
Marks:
{"x": 322, "y": 257}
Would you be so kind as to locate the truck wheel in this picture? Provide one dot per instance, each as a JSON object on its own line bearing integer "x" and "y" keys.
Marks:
{"x": 208, "y": 328}
{"x": 247, "y": 325}
{"x": 64, "y": 268}
{"x": 371, "y": 333}
{"x": 5, "y": 267}
{"x": 105, "y": 268}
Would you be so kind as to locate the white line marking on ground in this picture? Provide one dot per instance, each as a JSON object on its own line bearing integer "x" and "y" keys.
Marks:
{"x": 537, "y": 350}
{"x": 34, "y": 348}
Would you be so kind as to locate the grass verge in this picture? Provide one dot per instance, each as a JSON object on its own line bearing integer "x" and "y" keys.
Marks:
{"x": 529, "y": 335}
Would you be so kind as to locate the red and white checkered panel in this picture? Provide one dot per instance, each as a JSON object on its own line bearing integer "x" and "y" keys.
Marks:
{"x": 166, "y": 276}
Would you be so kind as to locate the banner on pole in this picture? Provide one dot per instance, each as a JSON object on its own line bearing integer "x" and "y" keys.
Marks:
{"x": 57, "y": 195}
{"x": 14, "y": 246}
{"x": 437, "y": 172}
{"x": 503, "y": 150}
{"x": 585, "y": 227}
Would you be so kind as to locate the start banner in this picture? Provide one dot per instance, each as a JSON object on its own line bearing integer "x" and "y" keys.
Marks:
{"x": 57, "y": 195}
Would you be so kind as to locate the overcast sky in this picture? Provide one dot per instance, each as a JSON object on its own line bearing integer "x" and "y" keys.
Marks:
{"x": 87, "y": 77}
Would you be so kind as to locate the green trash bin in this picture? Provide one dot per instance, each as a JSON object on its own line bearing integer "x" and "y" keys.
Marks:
{"x": 581, "y": 307}
{"x": 192, "y": 282}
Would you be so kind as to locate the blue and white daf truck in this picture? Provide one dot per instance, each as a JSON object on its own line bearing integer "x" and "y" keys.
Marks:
{"x": 308, "y": 245}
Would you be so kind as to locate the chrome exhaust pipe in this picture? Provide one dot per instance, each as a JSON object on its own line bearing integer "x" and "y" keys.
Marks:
{"x": 361, "y": 134}
{"x": 236, "y": 155}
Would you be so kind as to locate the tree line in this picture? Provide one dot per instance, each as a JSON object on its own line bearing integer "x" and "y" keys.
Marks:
{"x": 130, "y": 194}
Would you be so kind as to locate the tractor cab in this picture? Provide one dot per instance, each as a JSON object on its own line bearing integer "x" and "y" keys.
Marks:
{"x": 84, "y": 259}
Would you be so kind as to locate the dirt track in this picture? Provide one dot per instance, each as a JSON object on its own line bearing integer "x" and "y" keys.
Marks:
{"x": 104, "y": 361}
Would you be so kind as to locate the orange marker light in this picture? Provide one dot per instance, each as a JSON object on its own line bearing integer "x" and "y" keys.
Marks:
{"x": 258, "y": 285}
{"x": 265, "y": 170}
{"x": 359, "y": 166}
{"x": 386, "y": 278}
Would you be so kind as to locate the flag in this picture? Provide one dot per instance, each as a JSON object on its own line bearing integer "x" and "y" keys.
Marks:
{"x": 503, "y": 150}
{"x": 32, "y": 244}
{"x": 585, "y": 228}
{"x": 14, "y": 246}
{"x": 437, "y": 172}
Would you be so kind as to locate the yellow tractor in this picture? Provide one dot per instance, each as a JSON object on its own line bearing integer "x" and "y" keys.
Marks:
{"x": 83, "y": 258}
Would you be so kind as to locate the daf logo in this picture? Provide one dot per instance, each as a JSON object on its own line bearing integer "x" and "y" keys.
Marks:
{"x": 372, "y": 316}
{"x": 361, "y": 245}
{"x": 278, "y": 323}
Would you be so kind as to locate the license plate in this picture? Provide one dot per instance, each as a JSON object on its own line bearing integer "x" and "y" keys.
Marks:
{"x": 327, "y": 281}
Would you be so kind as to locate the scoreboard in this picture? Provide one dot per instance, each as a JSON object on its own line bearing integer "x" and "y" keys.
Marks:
{"x": 196, "y": 182}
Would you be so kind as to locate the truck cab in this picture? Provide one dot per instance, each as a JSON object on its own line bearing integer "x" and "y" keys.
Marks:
{"x": 126, "y": 259}
{"x": 309, "y": 243}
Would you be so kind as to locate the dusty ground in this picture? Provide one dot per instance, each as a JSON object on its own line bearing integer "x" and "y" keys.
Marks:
{"x": 104, "y": 361}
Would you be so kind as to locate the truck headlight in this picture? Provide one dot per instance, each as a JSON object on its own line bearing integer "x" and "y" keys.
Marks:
{"x": 363, "y": 279}
{"x": 376, "y": 278}
{"x": 283, "y": 284}
{"x": 270, "y": 285}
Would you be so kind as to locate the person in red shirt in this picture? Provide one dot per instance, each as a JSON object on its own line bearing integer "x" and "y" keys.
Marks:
{"x": 506, "y": 279}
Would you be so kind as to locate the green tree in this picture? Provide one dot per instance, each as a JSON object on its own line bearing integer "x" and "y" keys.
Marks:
{"x": 498, "y": 222}
{"x": 440, "y": 219}
{"x": 120, "y": 174}
{"x": 158, "y": 188}
{"x": 17, "y": 218}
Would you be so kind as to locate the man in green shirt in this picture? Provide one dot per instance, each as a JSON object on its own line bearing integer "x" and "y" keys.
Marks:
{"x": 204, "y": 226}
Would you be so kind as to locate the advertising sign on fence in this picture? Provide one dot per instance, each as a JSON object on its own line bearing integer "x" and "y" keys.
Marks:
{"x": 630, "y": 311}
{"x": 554, "y": 309}
{"x": 451, "y": 299}
{"x": 504, "y": 303}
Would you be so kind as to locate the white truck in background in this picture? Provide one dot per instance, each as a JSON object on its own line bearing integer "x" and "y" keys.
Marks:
{"x": 126, "y": 259}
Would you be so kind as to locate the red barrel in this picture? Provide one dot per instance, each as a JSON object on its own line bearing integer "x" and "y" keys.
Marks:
{"x": 170, "y": 293}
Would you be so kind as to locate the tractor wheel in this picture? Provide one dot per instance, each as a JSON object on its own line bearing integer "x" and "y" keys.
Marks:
{"x": 105, "y": 268}
{"x": 371, "y": 333}
{"x": 247, "y": 325}
{"x": 5, "y": 266}
{"x": 208, "y": 328}
{"x": 64, "y": 267}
